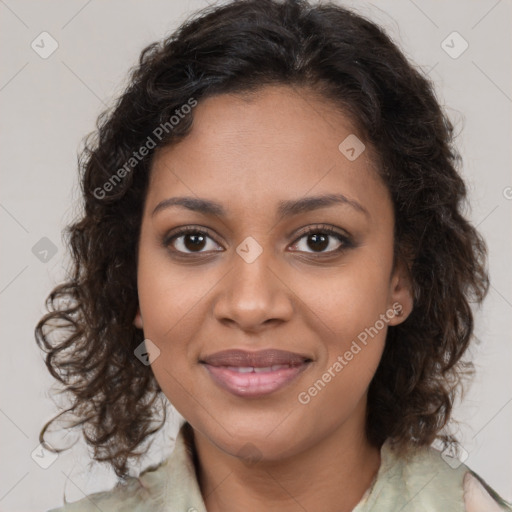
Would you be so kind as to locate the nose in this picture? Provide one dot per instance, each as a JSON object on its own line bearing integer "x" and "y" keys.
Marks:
{"x": 253, "y": 296}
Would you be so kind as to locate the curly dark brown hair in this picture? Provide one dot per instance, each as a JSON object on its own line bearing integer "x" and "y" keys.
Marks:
{"x": 88, "y": 334}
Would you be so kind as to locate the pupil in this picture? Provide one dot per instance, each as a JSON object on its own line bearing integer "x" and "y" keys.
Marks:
{"x": 316, "y": 238}
{"x": 197, "y": 242}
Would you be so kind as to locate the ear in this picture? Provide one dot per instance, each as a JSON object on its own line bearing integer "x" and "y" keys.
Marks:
{"x": 401, "y": 297}
{"x": 137, "y": 321}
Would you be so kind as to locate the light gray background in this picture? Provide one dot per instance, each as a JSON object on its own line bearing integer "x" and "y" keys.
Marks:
{"x": 48, "y": 105}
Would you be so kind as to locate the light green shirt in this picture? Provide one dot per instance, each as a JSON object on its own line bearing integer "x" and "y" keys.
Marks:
{"x": 425, "y": 482}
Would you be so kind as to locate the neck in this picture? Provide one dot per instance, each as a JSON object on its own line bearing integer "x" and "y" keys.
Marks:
{"x": 331, "y": 475}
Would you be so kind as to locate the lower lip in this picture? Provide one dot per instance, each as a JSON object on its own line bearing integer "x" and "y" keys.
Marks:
{"x": 254, "y": 384}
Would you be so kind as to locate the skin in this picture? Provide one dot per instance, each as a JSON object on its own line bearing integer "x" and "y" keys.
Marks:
{"x": 248, "y": 154}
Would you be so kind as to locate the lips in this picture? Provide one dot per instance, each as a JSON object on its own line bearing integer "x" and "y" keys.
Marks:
{"x": 254, "y": 374}
{"x": 261, "y": 359}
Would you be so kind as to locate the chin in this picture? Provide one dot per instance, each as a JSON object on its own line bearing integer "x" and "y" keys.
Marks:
{"x": 252, "y": 438}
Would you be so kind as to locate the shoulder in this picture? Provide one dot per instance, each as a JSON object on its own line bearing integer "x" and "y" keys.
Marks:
{"x": 478, "y": 495}
{"x": 426, "y": 480}
{"x": 169, "y": 485}
{"x": 134, "y": 494}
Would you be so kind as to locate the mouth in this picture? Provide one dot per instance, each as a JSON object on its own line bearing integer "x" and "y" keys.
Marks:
{"x": 254, "y": 374}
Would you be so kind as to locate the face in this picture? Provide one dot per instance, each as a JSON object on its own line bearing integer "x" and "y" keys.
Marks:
{"x": 263, "y": 265}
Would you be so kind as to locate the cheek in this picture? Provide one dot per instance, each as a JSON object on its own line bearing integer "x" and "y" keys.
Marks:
{"x": 349, "y": 299}
{"x": 174, "y": 305}
{"x": 169, "y": 295}
{"x": 348, "y": 308}
{"x": 169, "y": 304}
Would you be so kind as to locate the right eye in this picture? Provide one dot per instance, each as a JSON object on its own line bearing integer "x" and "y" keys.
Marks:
{"x": 190, "y": 240}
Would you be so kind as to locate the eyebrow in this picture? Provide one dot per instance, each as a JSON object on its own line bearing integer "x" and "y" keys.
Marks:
{"x": 285, "y": 209}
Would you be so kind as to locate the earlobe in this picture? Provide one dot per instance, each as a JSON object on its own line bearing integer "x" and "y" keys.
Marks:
{"x": 138, "y": 319}
{"x": 401, "y": 295}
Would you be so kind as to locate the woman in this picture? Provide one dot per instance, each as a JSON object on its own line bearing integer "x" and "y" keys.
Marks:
{"x": 272, "y": 239}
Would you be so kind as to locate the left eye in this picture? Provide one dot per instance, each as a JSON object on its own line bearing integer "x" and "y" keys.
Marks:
{"x": 320, "y": 240}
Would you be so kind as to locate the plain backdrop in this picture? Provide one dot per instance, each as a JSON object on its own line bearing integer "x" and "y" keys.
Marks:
{"x": 49, "y": 104}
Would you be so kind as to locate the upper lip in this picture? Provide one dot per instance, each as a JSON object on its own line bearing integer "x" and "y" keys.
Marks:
{"x": 260, "y": 359}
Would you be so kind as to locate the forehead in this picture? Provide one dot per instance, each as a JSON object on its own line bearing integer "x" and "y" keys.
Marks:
{"x": 253, "y": 150}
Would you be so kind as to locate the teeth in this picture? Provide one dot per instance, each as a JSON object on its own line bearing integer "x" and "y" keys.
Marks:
{"x": 250, "y": 369}
{"x": 243, "y": 369}
{"x": 279, "y": 366}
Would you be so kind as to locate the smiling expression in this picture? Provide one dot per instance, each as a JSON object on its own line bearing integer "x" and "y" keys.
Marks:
{"x": 288, "y": 245}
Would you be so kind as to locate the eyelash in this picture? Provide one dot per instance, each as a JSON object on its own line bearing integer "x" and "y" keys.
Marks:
{"x": 346, "y": 242}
